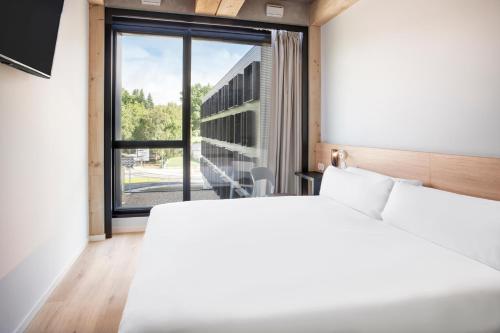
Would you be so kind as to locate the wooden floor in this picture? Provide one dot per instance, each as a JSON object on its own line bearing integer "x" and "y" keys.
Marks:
{"x": 92, "y": 295}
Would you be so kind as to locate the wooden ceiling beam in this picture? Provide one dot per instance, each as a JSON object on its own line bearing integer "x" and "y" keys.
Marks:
{"x": 207, "y": 7}
{"x": 324, "y": 10}
{"x": 230, "y": 8}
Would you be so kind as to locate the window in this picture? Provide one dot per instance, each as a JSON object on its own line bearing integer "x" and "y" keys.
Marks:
{"x": 188, "y": 109}
{"x": 148, "y": 121}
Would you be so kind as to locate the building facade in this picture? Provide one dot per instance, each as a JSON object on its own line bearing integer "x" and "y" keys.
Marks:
{"x": 235, "y": 121}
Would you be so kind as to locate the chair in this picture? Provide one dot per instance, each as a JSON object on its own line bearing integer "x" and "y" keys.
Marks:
{"x": 262, "y": 173}
{"x": 238, "y": 169}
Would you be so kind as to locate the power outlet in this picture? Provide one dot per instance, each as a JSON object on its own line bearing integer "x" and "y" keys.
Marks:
{"x": 321, "y": 167}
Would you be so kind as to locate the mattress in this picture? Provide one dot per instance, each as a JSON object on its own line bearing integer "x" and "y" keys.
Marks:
{"x": 300, "y": 264}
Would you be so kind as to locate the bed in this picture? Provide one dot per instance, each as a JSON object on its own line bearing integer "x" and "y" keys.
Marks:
{"x": 301, "y": 264}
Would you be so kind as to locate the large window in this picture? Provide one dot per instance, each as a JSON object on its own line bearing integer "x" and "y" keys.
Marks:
{"x": 187, "y": 110}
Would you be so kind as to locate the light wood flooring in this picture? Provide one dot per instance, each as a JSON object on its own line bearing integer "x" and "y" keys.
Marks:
{"x": 92, "y": 295}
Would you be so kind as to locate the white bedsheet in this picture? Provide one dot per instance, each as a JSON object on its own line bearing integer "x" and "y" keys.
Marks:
{"x": 300, "y": 264}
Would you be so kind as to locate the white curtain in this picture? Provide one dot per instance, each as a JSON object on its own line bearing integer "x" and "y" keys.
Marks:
{"x": 285, "y": 142}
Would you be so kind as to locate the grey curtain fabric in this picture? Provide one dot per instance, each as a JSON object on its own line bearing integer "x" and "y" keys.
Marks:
{"x": 285, "y": 139}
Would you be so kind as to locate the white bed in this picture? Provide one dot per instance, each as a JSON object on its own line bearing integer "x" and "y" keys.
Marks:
{"x": 300, "y": 264}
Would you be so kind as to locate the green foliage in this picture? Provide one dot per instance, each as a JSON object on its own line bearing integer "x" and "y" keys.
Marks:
{"x": 137, "y": 96}
{"x": 162, "y": 122}
{"x": 149, "y": 102}
{"x": 141, "y": 119}
{"x": 197, "y": 92}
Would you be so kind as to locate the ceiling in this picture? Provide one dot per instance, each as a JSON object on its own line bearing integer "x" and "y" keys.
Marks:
{"x": 296, "y": 11}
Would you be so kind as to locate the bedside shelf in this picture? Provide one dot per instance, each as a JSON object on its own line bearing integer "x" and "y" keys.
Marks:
{"x": 314, "y": 177}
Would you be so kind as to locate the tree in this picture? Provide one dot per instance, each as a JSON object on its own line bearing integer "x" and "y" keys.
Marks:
{"x": 197, "y": 92}
{"x": 149, "y": 102}
{"x": 126, "y": 97}
{"x": 142, "y": 120}
{"x": 137, "y": 96}
{"x": 141, "y": 97}
{"x": 163, "y": 122}
{"x": 169, "y": 127}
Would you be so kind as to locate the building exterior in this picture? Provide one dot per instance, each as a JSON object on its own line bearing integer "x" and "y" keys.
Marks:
{"x": 235, "y": 119}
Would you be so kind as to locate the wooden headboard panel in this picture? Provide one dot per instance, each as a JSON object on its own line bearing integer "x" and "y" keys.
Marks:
{"x": 475, "y": 176}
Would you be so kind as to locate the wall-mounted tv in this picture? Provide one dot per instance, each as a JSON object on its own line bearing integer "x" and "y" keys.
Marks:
{"x": 28, "y": 34}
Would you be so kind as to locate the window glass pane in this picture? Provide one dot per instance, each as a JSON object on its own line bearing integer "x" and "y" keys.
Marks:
{"x": 148, "y": 177}
{"x": 149, "y": 85}
{"x": 230, "y": 115}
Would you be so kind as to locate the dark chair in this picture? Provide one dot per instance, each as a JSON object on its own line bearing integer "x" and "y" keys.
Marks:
{"x": 262, "y": 173}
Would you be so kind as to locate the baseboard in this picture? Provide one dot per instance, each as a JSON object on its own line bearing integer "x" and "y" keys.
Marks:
{"x": 97, "y": 238}
{"x": 128, "y": 229}
{"x": 41, "y": 301}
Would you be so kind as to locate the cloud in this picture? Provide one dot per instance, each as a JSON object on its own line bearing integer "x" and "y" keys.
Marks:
{"x": 212, "y": 60}
{"x": 155, "y": 64}
{"x": 134, "y": 53}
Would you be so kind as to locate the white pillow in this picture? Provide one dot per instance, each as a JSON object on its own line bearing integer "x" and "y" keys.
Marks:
{"x": 361, "y": 193}
{"x": 380, "y": 176}
{"x": 467, "y": 225}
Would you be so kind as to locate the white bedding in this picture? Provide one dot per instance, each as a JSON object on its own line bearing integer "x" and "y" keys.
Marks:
{"x": 300, "y": 264}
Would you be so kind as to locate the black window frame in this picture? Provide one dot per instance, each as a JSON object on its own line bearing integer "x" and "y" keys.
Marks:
{"x": 186, "y": 27}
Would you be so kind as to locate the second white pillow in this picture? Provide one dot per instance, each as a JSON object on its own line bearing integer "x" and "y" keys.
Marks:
{"x": 380, "y": 176}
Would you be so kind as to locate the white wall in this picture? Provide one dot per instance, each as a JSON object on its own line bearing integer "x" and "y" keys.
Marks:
{"x": 43, "y": 170}
{"x": 417, "y": 75}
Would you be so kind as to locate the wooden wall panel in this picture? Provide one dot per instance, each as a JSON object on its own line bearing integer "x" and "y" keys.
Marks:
{"x": 396, "y": 163}
{"x": 475, "y": 176}
{"x": 96, "y": 120}
{"x": 322, "y": 11}
{"x": 314, "y": 92}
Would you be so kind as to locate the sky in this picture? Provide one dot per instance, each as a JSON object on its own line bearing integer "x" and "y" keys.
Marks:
{"x": 154, "y": 64}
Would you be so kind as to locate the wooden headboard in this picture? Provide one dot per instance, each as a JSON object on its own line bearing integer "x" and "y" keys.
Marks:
{"x": 474, "y": 176}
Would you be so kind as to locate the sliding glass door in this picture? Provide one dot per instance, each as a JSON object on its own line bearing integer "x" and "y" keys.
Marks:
{"x": 183, "y": 125}
{"x": 230, "y": 134}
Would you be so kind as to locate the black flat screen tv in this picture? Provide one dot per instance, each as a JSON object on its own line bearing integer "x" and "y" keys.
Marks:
{"x": 28, "y": 34}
